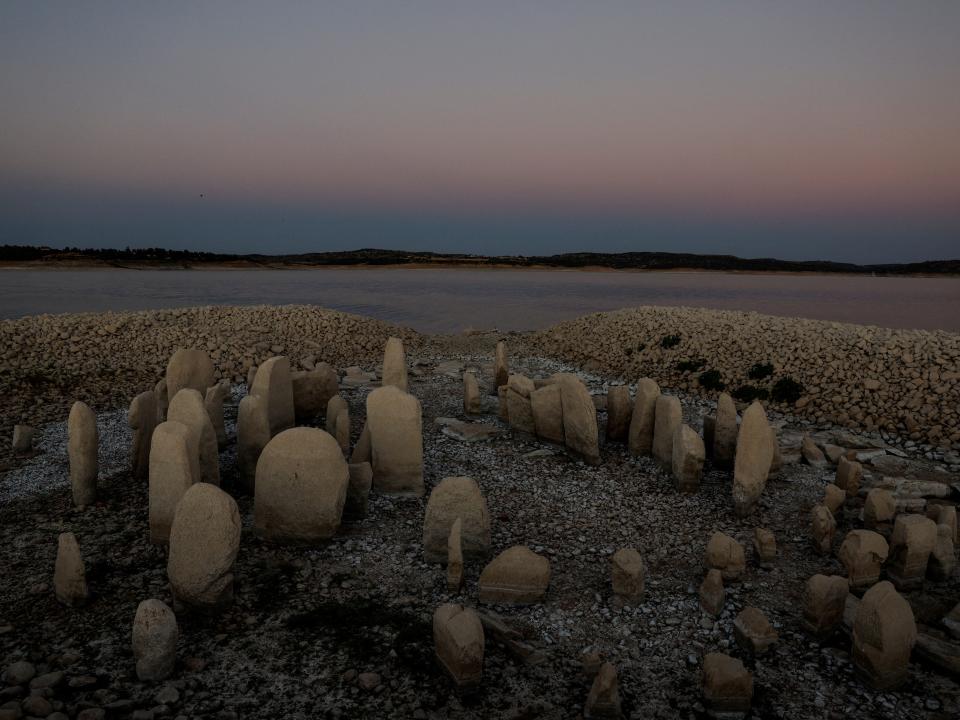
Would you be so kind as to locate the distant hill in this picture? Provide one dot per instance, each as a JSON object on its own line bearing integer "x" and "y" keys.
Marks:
{"x": 26, "y": 255}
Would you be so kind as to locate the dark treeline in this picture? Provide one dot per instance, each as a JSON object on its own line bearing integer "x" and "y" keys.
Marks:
{"x": 371, "y": 256}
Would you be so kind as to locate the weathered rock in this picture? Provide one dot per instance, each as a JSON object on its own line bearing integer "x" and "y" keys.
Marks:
{"x": 725, "y": 433}
{"x": 187, "y": 407}
{"x": 213, "y": 402}
{"x": 726, "y": 555}
{"x": 547, "y": 413}
{"x": 472, "y": 403}
{"x": 142, "y": 419}
{"x": 189, "y": 368}
{"x": 619, "y": 412}
{"x": 22, "y": 439}
{"x": 312, "y": 390}
{"x": 849, "y": 476}
{"x": 753, "y": 631}
{"x": 468, "y": 432}
{"x": 358, "y": 491}
{"x": 824, "y": 600}
{"x": 301, "y": 487}
{"x": 764, "y": 548}
{"x": 83, "y": 442}
{"x": 456, "y": 498}
{"x": 688, "y": 457}
{"x": 396, "y": 441}
{"x": 604, "y": 698}
{"x": 501, "y": 365}
{"x": 69, "y": 575}
{"x": 941, "y": 653}
{"x": 395, "y": 364}
{"x": 914, "y": 537}
{"x": 517, "y": 576}
{"x": 752, "y": 462}
{"x": 727, "y": 686}
{"x": 712, "y": 594}
{"x": 503, "y": 409}
{"x": 667, "y": 418}
{"x": 823, "y": 526}
{"x": 862, "y": 553}
{"x": 776, "y": 463}
{"x": 459, "y": 643}
{"x": 627, "y": 574}
{"x": 643, "y": 419}
{"x": 833, "y": 498}
{"x": 173, "y": 469}
{"x": 943, "y": 559}
{"x": 155, "y": 636}
{"x": 947, "y": 515}
{"x": 709, "y": 434}
{"x": 163, "y": 400}
{"x": 455, "y": 556}
{"x": 362, "y": 451}
{"x": 580, "y": 433}
{"x": 253, "y": 434}
{"x": 274, "y": 384}
{"x": 519, "y": 410}
{"x": 884, "y": 633}
{"x": 811, "y": 453}
{"x": 879, "y": 508}
{"x": 204, "y": 540}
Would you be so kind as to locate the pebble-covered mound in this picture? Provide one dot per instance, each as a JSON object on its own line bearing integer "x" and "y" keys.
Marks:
{"x": 902, "y": 381}
{"x": 49, "y": 361}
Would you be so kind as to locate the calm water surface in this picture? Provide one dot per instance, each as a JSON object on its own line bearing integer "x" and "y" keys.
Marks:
{"x": 451, "y": 300}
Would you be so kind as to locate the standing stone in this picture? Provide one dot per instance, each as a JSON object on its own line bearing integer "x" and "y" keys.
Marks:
{"x": 163, "y": 400}
{"x": 879, "y": 508}
{"x": 517, "y": 576}
{"x": 83, "y": 443}
{"x": 726, "y": 555}
{"x": 22, "y": 439}
{"x": 472, "y": 404}
{"x": 173, "y": 470}
{"x": 394, "y": 364}
{"x": 396, "y": 441}
{"x": 753, "y": 631}
{"x": 503, "y": 409}
{"x": 752, "y": 462}
{"x": 301, "y": 487}
{"x": 725, "y": 433}
{"x": 777, "y": 462}
{"x": 341, "y": 430}
{"x": 811, "y": 453}
{"x": 213, "y": 402}
{"x": 580, "y": 433}
{"x": 191, "y": 368}
{"x": 943, "y": 559}
{"x": 69, "y": 574}
{"x": 312, "y": 390}
{"x": 833, "y": 498}
{"x": 361, "y": 451}
{"x": 727, "y": 686}
{"x": 712, "y": 594}
{"x": 627, "y": 574}
{"x": 947, "y": 515}
{"x": 253, "y": 434}
{"x": 142, "y": 419}
{"x": 358, "y": 491}
{"x": 501, "y": 365}
{"x": 849, "y": 476}
{"x": 155, "y": 636}
{"x": 456, "y": 498}
{"x": 604, "y": 698}
{"x": 910, "y": 546}
{"x": 274, "y": 384}
{"x": 455, "y": 556}
{"x": 619, "y": 413}
{"x": 547, "y": 413}
{"x": 764, "y": 548}
{"x": 862, "y": 553}
{"x": 459, "y": 642}
{"x": 823, "y": 526}
{"x": 518, "y": 403}
{"x": 884, "y": 633}
{"x": 643, "y": 419}
{"x": 204, "y": 540}
{"x": 688, "y": 457}
{"x": 824, "y": 599}
{"x": 667, "y": 418}
{"x": 187, "y": 407}
{"x": 251, "y": 376}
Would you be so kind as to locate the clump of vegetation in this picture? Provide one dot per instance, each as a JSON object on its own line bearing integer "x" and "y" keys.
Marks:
{"x": 760, "y": 371}
{"x": 690, "y": 365}
{"x": 711, "y": 380}
{"x": 749, "y": 393}
{"x": 786, "y": 390}
{"x": 669, "y": 341}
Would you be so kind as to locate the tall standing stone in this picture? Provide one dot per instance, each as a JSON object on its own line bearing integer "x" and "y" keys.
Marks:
{"x": 453, "y": 498}
{"x": 83, "y": 442}
{"x": 396, "y": 441}
{"x": 879, "y": 508}
{"x": 253, "y": 434}
{"x": 849, "y": 475}
{"x": 501, "y": 365}
{"x": 884, "y": 633}
{"x": 668, "y": 416}
{"x": 155, "y": 635}
{"x": 163, "y": 400}
{"x": 547, "y": 413}
{"x": 603, "y": 701}
{"x": 472, "y": 404}
{"x": 519, "y": 410}
{"x": 688, "y": 457}
{"x": 395, "y": 364}
{"x": 580, "y": 433}
{"x": 142, "y": 419}
{"x": 764, "y": 548}
{"x": 459, "y": 643}
{"x": 914, "y": 537}
{"x": 862, "y": 553}
{"x": 334, "y": 406}
{"x": 619, "y": 413}
{"x": 752, "y": 463}
{"x": 824, "y": 599}
{"x": 190, "y": 368}
{"x": 274, "y": 384}
{"x": 712, "y": 594}
{"x": 204, "y": 540}
{"x": 823, "y": 526}
{"x": 455, "y": 557}
{"x": 173, "y": 470}
{"x": 213, "y": 401}
{"x": 725, "y": 433}
{"x": 69, "y": 574}
{"x": 187, "y": 407}
{"x": 643, "y": 419}
{"x": 362, "y": 451}
{"x": 358, "y": 491}
{"x": 943, "y": 558}
{"x": 301, "y": 487}
{"x": 312, "y": 390}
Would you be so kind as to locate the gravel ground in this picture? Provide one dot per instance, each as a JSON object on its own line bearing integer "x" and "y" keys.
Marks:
{"x": 307, "y": 621}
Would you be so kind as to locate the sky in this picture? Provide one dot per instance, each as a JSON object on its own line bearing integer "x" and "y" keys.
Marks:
{"x": 760, "y": 128}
